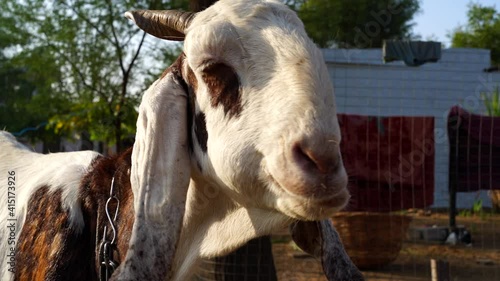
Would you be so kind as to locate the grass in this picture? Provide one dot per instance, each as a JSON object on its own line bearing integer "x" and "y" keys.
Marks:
{"x": 492, "y": 102}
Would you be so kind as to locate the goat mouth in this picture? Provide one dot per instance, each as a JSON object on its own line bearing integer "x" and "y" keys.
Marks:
{"x": 337, "y": 201}
{"x": 321, "y": 190}
{"x": 311, "y": 207}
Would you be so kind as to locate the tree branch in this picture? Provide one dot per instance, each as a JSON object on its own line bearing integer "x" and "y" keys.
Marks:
{"x": 82, "y": 77}
{"x": 116, "y": 42}
{"x": 95, "y": 27}
{"x": 129, "y": 69}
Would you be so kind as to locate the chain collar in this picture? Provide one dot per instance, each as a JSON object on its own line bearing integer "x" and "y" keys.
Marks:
{"x": 106, "y": 248}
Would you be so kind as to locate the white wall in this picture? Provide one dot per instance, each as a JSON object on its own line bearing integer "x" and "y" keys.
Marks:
{"x": 365, "y": 85}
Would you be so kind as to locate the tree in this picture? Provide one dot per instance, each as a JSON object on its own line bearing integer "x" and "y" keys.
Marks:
{"x": 23, "y": 109}
{"x": 365, "y": 24}
{"x": 481, "y": 31}
{"x": 88, "y": 55}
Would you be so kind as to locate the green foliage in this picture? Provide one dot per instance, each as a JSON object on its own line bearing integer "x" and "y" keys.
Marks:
{"x": 465, "y": 213}
{"x": 492, "y": 102}
{"x": 25, "y": 103}
{"x": 477, "y": 207}
{"x": 81, "y": 64}
{"x": 481, "y": 31}
{"x": 477, "y": 210}
{"x": 365, "y": 24}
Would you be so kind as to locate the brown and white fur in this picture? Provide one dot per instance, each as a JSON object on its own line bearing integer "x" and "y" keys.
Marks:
{"x": 239, "y": 137}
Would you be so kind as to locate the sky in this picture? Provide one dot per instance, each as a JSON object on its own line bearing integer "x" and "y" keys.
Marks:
{"x": 439, "y": 17}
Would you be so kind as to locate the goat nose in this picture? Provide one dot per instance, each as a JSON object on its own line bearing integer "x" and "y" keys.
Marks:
{"x": 324, "y": 160}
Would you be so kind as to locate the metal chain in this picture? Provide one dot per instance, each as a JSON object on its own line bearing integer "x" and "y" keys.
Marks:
{"x": 107, "y": 264}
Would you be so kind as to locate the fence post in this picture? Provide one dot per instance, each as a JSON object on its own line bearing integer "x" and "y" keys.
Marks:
{"x": 440, "y": 270}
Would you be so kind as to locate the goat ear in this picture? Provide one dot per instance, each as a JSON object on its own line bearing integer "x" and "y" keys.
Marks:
{"x": 320, "y": 239}
{"x": 169, "y": 25}
{"x": 159, "y": 177}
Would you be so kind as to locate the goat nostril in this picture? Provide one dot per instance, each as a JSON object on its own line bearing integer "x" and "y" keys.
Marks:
{"x": 302, "y": 158}
{"x": 309, "y": 160}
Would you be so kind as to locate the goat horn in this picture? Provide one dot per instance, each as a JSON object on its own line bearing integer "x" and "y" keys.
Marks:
{"x": 170, "y": 25}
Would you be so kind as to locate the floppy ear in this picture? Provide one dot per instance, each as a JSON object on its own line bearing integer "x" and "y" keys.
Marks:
{"x": 320, "y": 239}
{"x": 159, "y": 177}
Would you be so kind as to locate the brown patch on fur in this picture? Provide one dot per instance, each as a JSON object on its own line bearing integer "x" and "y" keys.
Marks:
{"x": 164, "y": 73}
{"x": 48, "y": 248}
{"x": 224, "y": 85}
{"x": 200, "y": 131}
{"x": 175, "y": 68}
{"x": 192, "y": 82}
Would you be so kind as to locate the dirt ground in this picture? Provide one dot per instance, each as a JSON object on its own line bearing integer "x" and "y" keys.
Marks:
{"x": 480, "y": 262}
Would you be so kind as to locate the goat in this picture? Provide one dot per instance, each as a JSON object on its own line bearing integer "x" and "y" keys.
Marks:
{"x": 239, "y": 137}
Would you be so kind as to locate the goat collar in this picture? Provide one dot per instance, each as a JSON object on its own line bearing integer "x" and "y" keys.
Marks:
{"x": 106, "y": 263}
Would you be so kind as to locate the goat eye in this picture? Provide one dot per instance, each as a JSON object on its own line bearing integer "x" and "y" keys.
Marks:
{"x": 224, "y": 87}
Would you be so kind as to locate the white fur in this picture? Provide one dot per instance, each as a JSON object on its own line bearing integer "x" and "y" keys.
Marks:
{"x": 32, "y": 171}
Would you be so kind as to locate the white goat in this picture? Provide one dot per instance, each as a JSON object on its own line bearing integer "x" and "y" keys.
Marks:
{"x": 238, "y": 138}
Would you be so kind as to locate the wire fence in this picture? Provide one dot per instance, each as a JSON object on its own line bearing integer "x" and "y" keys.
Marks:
{"x": 417, "y": 144}
{"x": 424, "y": 166}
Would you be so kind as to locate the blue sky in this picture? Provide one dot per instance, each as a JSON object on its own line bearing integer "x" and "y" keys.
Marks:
{"x": 439, "y": 17}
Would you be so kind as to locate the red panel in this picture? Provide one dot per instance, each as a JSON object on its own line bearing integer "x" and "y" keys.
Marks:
{"x": 390, "y": 161}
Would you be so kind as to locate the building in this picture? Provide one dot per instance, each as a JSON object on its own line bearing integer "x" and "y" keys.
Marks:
{"x": 365, "y": 85}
